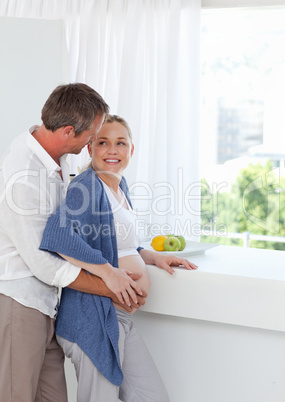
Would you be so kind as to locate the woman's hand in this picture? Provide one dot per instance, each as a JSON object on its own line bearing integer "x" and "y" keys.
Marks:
{"x": 165, "y": 261}
{"x": 120, "y": 283}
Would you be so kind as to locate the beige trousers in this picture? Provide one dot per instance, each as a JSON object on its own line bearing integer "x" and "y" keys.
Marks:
{"x": 31, "y": 361}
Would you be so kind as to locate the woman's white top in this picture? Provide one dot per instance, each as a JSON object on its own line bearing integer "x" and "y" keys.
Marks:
{"x": 125, "y": 224}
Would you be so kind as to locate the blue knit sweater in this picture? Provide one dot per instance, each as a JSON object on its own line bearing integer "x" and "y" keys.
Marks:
{"x": 83, "y": 228}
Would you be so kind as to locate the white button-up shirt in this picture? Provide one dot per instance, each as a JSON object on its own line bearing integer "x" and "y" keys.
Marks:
{"x": 31, "y": 190}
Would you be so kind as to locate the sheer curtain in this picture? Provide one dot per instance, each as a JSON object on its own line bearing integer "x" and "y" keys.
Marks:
{"x": 143, "y": 57}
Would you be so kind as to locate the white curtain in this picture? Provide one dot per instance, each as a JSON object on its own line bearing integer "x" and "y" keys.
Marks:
{"x": 142, "y": 56}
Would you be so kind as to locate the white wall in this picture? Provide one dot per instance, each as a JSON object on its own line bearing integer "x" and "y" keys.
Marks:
{"x": 33, "y": 61}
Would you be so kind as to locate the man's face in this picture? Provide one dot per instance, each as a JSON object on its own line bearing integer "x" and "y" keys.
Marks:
{"x": 76, "y": 143}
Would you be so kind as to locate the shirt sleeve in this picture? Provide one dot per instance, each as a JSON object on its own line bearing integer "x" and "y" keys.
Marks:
{"x": 22, "y": 221}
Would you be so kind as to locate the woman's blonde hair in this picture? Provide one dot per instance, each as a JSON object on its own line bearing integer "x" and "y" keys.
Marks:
{"x": 111, "y": 118}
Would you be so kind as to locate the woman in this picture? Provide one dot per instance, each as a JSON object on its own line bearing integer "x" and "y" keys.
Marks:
{"x": 95, "y": 229}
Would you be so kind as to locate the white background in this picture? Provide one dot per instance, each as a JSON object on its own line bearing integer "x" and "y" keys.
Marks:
{"x": 33, "y": 63}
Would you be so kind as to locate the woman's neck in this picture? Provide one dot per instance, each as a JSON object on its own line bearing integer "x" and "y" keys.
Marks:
{"x": 112, "y": 180}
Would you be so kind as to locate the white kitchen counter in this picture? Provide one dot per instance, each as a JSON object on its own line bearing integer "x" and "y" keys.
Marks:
{"x": 217, "y": 334}
{"x": 233, "y": 285}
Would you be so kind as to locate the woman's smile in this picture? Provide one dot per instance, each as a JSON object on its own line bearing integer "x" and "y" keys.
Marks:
{"x": 112, "y": 161}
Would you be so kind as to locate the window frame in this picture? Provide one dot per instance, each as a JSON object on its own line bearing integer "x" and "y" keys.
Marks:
{"x": 241, "y": 3}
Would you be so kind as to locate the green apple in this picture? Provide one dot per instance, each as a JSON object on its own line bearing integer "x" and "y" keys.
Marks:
{"x": 172, "y": 244}
{"x": 182, "y": 241}
{"x": 170, "y": 235}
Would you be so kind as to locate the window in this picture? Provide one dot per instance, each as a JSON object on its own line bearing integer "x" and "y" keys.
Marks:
{"x": 242, "y": 149}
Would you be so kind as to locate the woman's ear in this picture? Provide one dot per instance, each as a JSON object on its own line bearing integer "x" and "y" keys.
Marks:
{"x": 132, "y": 150}
{"x": 89, "y": 148}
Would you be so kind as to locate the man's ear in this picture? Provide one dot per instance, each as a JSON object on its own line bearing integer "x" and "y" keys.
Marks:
{"x": 68, "y": 131}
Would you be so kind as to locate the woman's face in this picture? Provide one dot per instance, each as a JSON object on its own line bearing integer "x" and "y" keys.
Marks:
{"x": 111, "y": 149}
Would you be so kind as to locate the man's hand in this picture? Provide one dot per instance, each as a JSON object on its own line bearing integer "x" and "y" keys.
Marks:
{"x": 93, "y": 284}
{"x": 141, "y": 299}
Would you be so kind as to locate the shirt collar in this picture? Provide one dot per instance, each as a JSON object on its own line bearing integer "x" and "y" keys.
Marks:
{"x": 49, "y": 163}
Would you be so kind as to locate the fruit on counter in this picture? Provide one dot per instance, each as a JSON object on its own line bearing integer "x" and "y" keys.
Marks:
{"x": 157, "y": 242}
{"x": 182, "y": 241}
{"x": 172, "y": 243}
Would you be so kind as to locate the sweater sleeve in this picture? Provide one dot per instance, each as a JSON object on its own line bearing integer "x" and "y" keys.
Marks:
{"x": 66, "y": 230}
{"x": 65, "y": 240}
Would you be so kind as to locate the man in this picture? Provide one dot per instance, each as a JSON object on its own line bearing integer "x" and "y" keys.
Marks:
{"x": 33, "y": 179}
